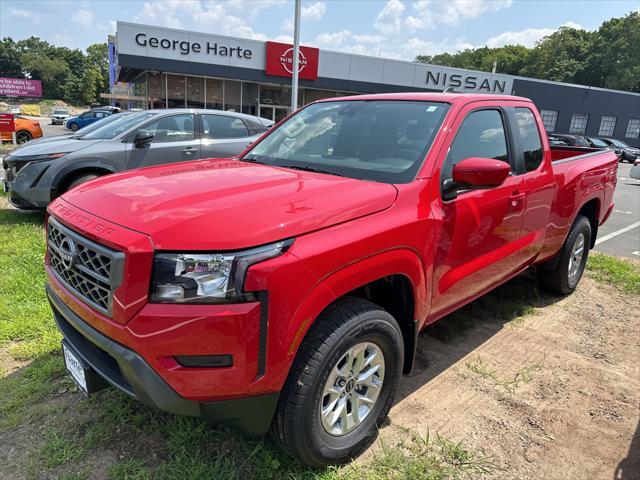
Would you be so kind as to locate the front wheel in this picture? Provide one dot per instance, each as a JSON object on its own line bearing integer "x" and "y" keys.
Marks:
{"x": 74, "y": 127}
{"x": 341, "y": 385}
{"x": 566, "y": 274}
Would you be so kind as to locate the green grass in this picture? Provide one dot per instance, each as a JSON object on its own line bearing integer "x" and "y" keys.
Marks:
{"x": 510, "y": 383}
{"x": 622, "y": 274}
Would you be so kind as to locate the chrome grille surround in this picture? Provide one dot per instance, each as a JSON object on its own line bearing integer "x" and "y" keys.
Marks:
{"x": 87, "y": 269}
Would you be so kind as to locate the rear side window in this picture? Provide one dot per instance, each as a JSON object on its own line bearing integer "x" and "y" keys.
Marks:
{"x": 480, "y": 135}
{"x": 529, "y": 138}
{"x": 219, "y": 126}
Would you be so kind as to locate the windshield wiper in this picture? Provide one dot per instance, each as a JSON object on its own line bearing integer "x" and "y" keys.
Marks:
{"x": 254, "y": 159}
{"x": 310, "y": 169}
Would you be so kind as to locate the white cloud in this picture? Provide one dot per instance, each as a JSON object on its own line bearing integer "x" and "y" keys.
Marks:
{"x": 159, "y": 13}
{"x": 431, "y": 13}
{"x": 389, "y": 19}
{"x": 314, "y": 11}
{"x": 527, "y": 37}
{"x": 24, "y": 14}
{"x": 83, "y": 17}
{"x": 415, "y": 46}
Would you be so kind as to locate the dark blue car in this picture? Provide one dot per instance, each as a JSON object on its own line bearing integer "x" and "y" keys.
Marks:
{"x": 86, "y": 118}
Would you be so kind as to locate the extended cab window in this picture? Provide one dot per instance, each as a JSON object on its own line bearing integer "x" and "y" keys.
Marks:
{"x": 381, "y": 140}
{"x": 480, "y": 135}
{"x": 529, "y": 138}
{"x": 219, "y": 126}
{"x": 175, "y": 128}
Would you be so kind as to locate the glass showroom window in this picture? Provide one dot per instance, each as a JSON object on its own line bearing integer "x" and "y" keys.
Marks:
{"x": 176, "y": 91}
{"x": 607, "y": 125}
{"x": 250, "y": 98}
{"x": 156, "y": 90}
{"x": 215, "y": 94}
{"x": 549, "y": 119}
{"x": 633, "y": 128}
{"x": 579, "y": 123}
{"x": 195, "y": 92}
{"x": 232, "y": 100}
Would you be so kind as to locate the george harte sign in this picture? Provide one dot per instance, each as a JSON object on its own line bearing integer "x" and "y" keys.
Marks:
{"x": 279, "y": 61}
{"x": 7, "y": 124}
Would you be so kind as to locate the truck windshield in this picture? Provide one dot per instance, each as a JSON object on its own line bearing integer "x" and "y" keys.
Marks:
{"x": 120, "y": 124}
{"x": 381, "y": 140}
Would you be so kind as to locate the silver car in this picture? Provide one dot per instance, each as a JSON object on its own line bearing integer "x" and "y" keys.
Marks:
{"x": 36, "y": 174}
{"x": 59, "y": 116}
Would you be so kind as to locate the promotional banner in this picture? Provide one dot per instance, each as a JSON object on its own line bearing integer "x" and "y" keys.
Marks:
{"x": 20, "y": 87}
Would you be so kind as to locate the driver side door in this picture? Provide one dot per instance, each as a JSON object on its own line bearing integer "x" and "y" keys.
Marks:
{"x": 174, "y": 140}
{"x": 478, "y": 231}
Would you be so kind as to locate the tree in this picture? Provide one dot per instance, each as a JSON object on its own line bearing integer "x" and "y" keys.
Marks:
{"x": 10, "y": 65}
{"x": 98, "y": 59}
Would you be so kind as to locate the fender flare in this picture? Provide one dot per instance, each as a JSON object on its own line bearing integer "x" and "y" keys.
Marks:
{"x": 398, "y": 261}
{"x": 78, "y": 167}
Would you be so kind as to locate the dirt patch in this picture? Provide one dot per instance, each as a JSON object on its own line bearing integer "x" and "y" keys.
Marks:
{"x": 554, "y": 395}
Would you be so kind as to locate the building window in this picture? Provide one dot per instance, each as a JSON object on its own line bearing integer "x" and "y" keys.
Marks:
{"x": 579, "y": 123}
{"x": 215, "y": 94}
{"x": 549, "y": 119}
{"x": 176, "y": 91}
{"x": 156, "y": 90}
{"x": 607, "y": 125}
{"x": 195, "y": 92}
{"x": 232, "y": 96}
{"x": 633, "y": 128}
{"x": 250, "y": 98}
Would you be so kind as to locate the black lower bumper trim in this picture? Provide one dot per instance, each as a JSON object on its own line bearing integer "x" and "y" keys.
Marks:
{"x": 129, "y": 372}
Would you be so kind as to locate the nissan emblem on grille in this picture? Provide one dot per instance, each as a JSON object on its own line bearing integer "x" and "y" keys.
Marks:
{"x": 89, "y": 270}
{"x": 68, "y": 253}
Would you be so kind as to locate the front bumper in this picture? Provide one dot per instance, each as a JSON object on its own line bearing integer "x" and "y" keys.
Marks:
{"x": 128, "y": 371}
{"x": 27, "y": 188}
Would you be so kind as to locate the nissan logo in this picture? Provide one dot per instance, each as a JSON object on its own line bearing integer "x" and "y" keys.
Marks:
{"x": 68, "y": 253}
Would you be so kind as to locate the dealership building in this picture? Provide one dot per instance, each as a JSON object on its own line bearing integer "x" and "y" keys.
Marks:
{"x": 154, "y": 67}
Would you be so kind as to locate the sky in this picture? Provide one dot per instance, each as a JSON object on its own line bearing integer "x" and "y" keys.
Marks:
{"x": 386, "y": 28}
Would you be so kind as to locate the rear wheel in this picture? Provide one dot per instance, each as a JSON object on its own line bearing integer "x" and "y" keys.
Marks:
{"x": 341, "y": 385}
{"x": 23, "y": 137}
{"x": 566, "y": 274}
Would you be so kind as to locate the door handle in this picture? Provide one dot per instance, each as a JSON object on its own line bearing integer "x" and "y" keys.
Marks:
{"x": 516, "y": 199}
{"x": 188, "y": 150}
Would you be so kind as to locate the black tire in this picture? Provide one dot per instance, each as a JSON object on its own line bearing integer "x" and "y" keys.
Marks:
{"x": 74, "y": 127}
{"x": 23, "y": 137}
{"x": 297, "y": 426}
{"x": 80, "y": 179}
{"x": 557, "y": 279}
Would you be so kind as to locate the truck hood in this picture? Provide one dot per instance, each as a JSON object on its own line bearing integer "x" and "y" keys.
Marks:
{"x": 225, "y": 204}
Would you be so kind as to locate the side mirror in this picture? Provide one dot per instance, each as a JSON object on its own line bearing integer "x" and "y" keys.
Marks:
{"x": 476, "y": 173}
{"x": 142, "y": 138}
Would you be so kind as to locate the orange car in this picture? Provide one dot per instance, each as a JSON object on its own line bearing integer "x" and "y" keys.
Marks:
{"x": 25, "y": 130}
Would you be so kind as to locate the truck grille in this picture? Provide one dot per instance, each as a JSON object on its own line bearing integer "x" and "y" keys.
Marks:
{"x": 89, "y": 270}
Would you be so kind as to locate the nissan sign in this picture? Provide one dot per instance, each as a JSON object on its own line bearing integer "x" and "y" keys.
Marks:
{"x": 279, "y": 61}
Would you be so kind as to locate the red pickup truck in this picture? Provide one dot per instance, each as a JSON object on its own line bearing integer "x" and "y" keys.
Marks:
{"x": 284, "y": 289}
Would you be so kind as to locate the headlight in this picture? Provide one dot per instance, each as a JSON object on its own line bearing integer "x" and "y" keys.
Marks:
{"x": 207, "y": 277}
{"x": 35, "y": 158}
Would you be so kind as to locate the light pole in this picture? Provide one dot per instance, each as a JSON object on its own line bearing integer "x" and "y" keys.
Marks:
{"x": 296, "y": 57}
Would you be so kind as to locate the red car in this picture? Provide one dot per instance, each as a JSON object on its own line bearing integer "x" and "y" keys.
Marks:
{"x": 285, "y": 289}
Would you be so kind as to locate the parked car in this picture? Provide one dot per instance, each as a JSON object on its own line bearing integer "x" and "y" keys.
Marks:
{"x": 635, "y": 170}
{"x": 14, "y": 109}
{"x": 285, "y": 289}
{"x": 86, "y": 118}
{"x": 59, "y": 116}
{"x": 26, "y": 129}
{"x": 571, "y": 140}
{"x": 108, "y": 108}
{"x": 595, "y": 142}
{"x": 35, "y": 174}
{"x": 627, "y": 153}
{"x": 77, "y": 134}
